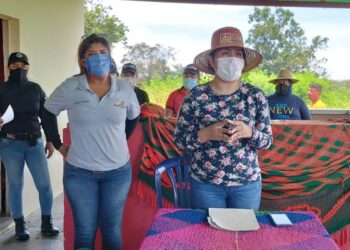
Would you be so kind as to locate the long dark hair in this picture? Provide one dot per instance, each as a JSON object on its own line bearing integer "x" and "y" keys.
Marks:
{"x": 85, "y": 44}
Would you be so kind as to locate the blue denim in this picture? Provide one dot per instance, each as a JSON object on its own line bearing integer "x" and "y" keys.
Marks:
{"x": 204, "y": 195}
{"x": 97, "y": 199}
{"x": 14, "y": 154}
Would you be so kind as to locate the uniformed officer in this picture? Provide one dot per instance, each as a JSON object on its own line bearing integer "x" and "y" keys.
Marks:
{"x": 21, "y": 142}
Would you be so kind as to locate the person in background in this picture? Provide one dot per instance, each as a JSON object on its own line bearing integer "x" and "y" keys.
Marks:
{"x": 314, "y": 94}
{"x": 114, "y": 69}
{"x": 222, "y": 124}
{"x": 174, "y": 101}
{"x": 102, "y": 113}
{"x": 129, "y": 74}
{"x": 21, "y": 142}
{"x": 283, "y": 104}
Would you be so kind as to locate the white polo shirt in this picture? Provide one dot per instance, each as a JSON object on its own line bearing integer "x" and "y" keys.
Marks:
{"x": 97, "y": 127}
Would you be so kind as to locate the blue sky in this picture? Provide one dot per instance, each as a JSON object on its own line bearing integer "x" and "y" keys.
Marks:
{"x": 188, "y": 28}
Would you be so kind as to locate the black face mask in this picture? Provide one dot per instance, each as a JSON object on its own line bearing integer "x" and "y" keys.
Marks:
{"x": 18, "y": 75}
{"x": 282, "y": 89}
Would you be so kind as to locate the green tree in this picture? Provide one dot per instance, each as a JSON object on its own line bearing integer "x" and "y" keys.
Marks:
{"x": 151, "y": 61}
{"x": 97, "y": 19}
{"x": 282, "y": 42}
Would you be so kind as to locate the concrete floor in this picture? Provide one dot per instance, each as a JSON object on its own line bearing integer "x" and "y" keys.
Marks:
{"x": 37, "y": 241}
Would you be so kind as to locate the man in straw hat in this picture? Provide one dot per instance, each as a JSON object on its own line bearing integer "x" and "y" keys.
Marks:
{"x": 283, "y": 104}
{"x": 222, "y": 124}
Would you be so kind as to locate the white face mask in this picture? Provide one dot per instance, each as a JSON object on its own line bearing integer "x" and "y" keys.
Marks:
{"x": 131, "y": 80}
{"x": 230, "y": 68}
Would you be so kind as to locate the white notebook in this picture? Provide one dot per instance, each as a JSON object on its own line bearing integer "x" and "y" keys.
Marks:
{"x": 233, "y": 219}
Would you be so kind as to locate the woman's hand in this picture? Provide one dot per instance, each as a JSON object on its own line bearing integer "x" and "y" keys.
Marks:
{"x": 218, "y": 131}
{"x": 49, "y": 149}
{"x": 227, "y": 131}
{"x": 1, "y": 123}
{"x": 64, "y": 150}
{"x": 240, "y": 130}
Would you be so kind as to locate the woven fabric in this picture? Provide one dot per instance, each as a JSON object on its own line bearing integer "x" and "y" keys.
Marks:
{"x": 306, "y": 168}
{"x": 159, "y": 145}
{"x": 188, "y": 229}
{"x": 306, "y": 157}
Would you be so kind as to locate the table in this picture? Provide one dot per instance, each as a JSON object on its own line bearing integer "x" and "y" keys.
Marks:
{"x": 188, "y": 229}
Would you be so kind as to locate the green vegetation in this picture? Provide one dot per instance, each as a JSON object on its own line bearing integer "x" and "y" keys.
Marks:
{"x": 282, "y": 41}
{"x": 151, "y": 61}
{"x": 97, "y": 19}
{"x": 159, "y": 89}
{"x": 335, "y": 94}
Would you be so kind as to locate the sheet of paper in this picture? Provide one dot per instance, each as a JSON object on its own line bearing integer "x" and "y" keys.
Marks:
{"x": 8, "y": 115}
{"x": 212, "y": 223}
{"x": 233, "y": 219}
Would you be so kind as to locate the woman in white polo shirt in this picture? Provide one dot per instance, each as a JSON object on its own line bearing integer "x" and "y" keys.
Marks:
{"x": 97, "y": 172}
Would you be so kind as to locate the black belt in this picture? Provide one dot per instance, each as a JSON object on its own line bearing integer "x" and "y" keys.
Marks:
{"x": 21, "y": 136}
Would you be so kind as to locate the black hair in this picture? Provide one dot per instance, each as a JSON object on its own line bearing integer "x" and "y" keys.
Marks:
{"x": 114, "y": 69}
{"x": 316, "y": 86}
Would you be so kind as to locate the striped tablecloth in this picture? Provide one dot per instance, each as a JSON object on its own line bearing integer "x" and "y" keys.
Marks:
{"x": 188, "y": 229}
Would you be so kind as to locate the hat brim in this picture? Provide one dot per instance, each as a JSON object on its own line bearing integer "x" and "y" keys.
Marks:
{"x": 191, "y": 71}
{"x": 252, "y": 59}
{"x": 18, "y": 60}
{"x": 127, "y": 70}
{"x": 274, "y": 80}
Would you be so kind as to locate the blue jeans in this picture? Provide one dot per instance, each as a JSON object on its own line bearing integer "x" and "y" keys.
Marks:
{"x": 97, "y": 199}
{"x": 204, "y": 195}
{"x": 14, "y": 154}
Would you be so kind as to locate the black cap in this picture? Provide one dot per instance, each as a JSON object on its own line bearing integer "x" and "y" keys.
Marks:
{"x": 191, "y": 68}
{"x": 17, "y": 57}
{"x": 129, "y": 67}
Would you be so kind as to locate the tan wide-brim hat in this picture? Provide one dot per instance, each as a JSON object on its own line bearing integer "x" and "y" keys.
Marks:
{"x": 284, "y": 74}
{"x": 223, "y": 38}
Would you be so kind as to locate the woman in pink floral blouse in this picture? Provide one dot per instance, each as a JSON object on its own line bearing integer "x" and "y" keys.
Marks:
{"x": 222, "y": 124}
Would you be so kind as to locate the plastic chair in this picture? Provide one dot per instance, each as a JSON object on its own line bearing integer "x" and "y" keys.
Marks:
{"x": 177, "y": 169}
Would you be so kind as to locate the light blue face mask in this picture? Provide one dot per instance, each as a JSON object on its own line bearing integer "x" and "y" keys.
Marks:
{"x": 189, "y": 83}
{"x": 99, "y": 64}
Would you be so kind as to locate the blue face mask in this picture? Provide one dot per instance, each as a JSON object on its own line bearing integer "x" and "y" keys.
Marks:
{"x": 99, "y": 64}
{"x": 189, "y": 83}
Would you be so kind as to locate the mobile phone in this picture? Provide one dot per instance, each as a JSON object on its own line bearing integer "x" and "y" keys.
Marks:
{"x": 228, "y": 126}
{"x": 280, "y": 220}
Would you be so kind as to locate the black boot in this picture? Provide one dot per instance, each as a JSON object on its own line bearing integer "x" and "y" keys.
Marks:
{"x": 46, "y": 226}
{"x": 22, "y": 233}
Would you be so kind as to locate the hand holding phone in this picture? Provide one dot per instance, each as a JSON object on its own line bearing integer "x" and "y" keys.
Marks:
{"x": 228, "y": 127}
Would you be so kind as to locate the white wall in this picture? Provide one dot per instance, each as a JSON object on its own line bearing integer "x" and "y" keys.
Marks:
{"x": 48, "y": 32}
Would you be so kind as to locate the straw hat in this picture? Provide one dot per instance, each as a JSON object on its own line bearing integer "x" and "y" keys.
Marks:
{"x": 222, "y": 38}
{"x": 284, "y": 74}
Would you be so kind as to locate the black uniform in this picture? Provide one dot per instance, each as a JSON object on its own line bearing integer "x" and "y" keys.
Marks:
{"x": 27, "y": 100}
{"x": 141, "y": 95}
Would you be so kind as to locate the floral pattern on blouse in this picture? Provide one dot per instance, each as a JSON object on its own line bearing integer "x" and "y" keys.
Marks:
{"x": 218, "y": 162}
